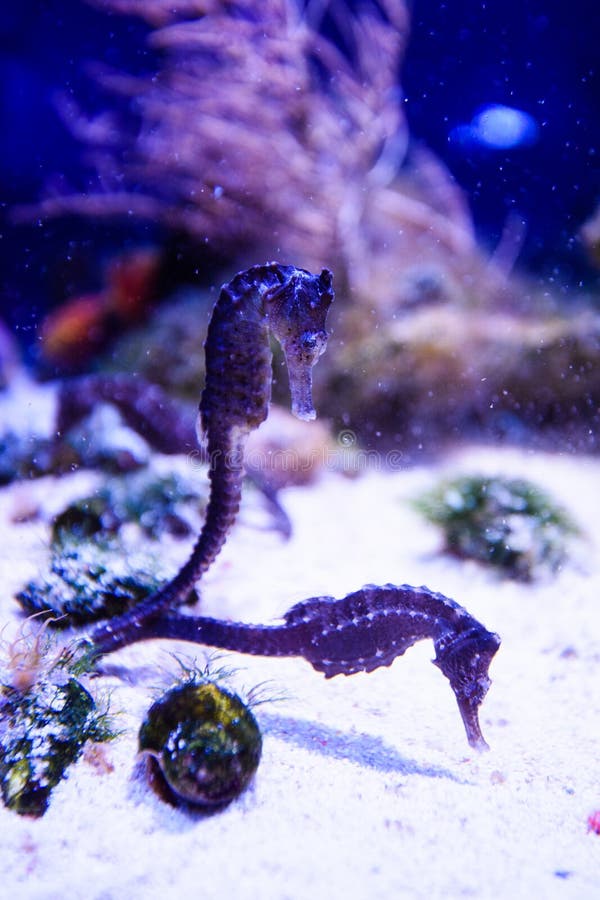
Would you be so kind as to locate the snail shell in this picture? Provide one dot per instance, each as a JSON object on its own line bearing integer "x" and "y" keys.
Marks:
{"x": 205, "y": 741}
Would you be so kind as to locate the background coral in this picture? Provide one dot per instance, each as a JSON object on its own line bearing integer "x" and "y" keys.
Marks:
{"x": 448, "y": 372}
{"x": 83, "y": 325}
{"x": 259, "y": 137}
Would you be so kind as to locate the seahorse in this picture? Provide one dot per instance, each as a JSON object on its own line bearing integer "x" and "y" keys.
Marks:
{"x": 358, "y": 633}
{"x": 292, "y": 305}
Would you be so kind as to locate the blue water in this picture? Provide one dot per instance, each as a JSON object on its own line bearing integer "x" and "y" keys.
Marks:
{"x": 542, "y": 58}
{"x": 538, "y": 59}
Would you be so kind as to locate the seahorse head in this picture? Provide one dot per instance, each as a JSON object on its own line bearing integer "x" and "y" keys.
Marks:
{"x": 297, "y": 311}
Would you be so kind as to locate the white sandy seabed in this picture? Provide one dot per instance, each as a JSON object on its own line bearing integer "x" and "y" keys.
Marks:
{"x": 367, "y": 787}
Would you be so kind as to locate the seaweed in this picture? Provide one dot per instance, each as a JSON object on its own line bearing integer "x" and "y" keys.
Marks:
{"x": 262, "y": 84}
{"x": 345, "y": 187}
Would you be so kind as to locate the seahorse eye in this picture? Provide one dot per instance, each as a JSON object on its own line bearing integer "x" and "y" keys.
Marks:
{"x": 313, "y": 343}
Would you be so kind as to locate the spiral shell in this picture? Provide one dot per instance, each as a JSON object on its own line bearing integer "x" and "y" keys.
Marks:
{"x": 205, "y": 740}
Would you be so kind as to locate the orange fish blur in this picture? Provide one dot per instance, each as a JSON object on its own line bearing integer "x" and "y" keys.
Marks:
{"x": 83, "y": 326}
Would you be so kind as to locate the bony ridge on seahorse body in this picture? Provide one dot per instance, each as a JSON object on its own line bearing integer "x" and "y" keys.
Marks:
{"x": 292, "y": 305}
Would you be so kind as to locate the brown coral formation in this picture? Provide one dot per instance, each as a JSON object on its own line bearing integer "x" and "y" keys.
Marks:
{"x": 83, "y": 325}
{"x": 445, "y": 373}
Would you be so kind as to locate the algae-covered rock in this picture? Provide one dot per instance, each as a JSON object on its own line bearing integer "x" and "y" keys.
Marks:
{"x": 100, "y": 442}
{"x": 93, "y": 572}
{"x": 43, "y": 730}
{"x": 103, "y": 441}
{"x": 205, "y": 741}
{"x": 158, "y": 504}
{"x": 95, "y": 580}
{"x": 507, "y": 523}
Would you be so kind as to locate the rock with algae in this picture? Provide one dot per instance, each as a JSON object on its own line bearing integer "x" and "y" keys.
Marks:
{"x": 507, "y": 523}
{"x": 27, "y": 456}
{"x": 93, "y": 581}
{"x": 203, "y": 740}
{"x": 93, "y": 573}
{"x": 159, "y": 504}
{"x": 420, "y": 380}
{"x": 101, "y": 442}
{"x": 47, "y": 716}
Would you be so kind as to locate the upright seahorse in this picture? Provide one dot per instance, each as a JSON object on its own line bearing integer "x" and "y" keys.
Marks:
{"x": 358, "y": 633}
{"x": 291, "y": 304}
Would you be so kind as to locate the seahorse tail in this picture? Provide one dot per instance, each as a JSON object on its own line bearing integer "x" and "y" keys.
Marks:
{"x": 226, "y": 489}
{"x": 256, "y": 640}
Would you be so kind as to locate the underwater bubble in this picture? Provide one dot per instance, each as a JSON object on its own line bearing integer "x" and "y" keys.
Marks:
{"x": 498, "y": 127}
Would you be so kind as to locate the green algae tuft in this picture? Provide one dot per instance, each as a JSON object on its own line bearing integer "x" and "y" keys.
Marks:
{"x": 507, "y": 523}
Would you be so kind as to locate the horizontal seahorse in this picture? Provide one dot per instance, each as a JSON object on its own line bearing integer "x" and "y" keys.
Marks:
{"x": 357, "y": 633}
{"x": 292, "y": 305}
